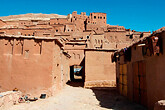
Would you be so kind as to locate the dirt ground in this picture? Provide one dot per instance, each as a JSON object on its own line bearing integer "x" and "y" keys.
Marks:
{"x": 78, "y": 98}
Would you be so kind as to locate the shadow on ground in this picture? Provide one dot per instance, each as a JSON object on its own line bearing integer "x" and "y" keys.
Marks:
{"x": 76, "y": 83}
{"x": 109, "y": 98}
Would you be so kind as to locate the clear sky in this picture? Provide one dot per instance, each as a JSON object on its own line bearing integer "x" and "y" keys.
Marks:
{"x": 140, "y": 15}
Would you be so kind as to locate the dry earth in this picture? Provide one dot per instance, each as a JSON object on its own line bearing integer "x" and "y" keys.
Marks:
{"x": 78, "y": 98}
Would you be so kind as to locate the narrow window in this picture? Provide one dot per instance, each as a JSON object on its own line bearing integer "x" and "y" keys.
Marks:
{"x": 95, "y": 41}
{"x": 94, "y": 17}
{"x": 99, "y": 41}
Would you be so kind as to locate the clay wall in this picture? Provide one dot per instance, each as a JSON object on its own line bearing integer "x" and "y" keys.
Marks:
{"x": 69, "y": 28}
{"x": 58, "y": 28}
{"x": 44, "y": 33}
{"x": 56, "y": 21}
{"x": 2, "y": 23}
{"x": 76, "y": 56}
{"x": 98, "y": 18}
{"x": 96, "y": 41}
{"x": 153, "y": 82}
{"x": 25, "y": 22}
{"x": 78, "y": 20}
{"x": 99, "y": 70}
{"x": 44, "y": 22}
{"x": 12, "y": 24}
{"x": 31, "y": 65}
{"x": 96, "y": 21}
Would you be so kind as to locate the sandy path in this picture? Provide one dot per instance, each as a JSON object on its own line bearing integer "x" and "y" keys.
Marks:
{"x": 78, "y": 98}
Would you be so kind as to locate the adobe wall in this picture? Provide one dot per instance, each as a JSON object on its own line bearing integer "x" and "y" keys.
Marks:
{"x": 154, "y": 69}
{"x": 58, "y": 21}
{"x": 2, "y": 23}
{"x": 96, "y": 41}
{"x": 99, "y": 70}
{"x": 31, "y": 65}
{"x": 65, "y": 69}
{"x": 76, "y": 57}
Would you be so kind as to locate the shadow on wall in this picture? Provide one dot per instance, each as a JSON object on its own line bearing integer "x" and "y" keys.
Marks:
{"x": 76, "y": 83}
{"x": 109, "y": 98}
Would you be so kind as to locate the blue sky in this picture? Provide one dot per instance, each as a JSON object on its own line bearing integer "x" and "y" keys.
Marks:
{"x": 140, "y": 15}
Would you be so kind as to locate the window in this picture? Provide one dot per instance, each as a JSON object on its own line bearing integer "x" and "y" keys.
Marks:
{"x": 99, "y": 41}
{"x": 94, "y": 17}
{"x": 87, "y": 37}
{"x": 56, "y": 30}
{"x": 100, "y": 17}
{"x": 104, "y": 17}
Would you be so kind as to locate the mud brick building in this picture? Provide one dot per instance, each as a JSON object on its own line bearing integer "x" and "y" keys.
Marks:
{"x": 140, "y": 70}
{"x": 39, "y": 52}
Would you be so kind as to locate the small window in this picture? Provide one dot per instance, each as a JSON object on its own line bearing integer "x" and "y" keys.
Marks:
{"x": 56, "y": 30}
{"x": 87, "y": 37}
{"x": 68, "y": 29}
{"x": 99, "y": 41}
{"x": 102, "y": 41}
{"x": 100, "y": 17}
{"x": 104, "y": 17}
{"x": 131, "y": 36}
{"x": 94, "y": 17}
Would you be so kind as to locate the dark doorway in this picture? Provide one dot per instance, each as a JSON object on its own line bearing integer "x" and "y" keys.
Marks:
{"x": 76, "y": 72}
{"x": 76, "y": 76}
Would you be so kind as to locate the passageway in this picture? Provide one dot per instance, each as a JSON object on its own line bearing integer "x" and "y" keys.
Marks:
{"x": 76, "y": 76}
{"x": 78, "y": 98}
